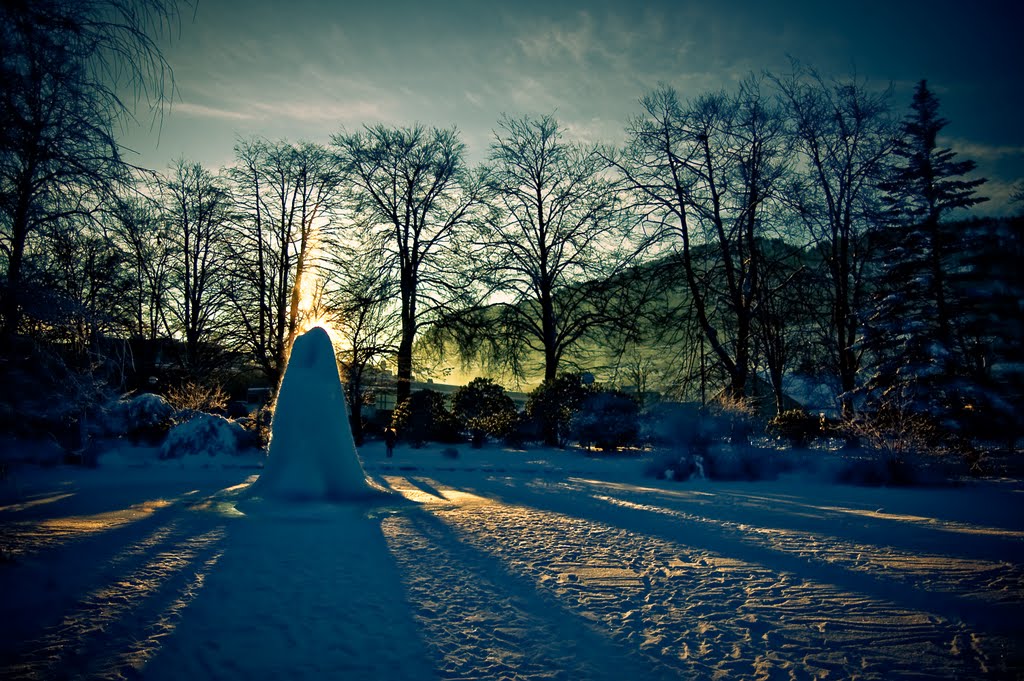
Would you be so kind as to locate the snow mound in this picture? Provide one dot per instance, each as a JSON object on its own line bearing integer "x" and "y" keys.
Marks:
{"x": 147, "y": 410}
{"x": 312, "y": 454}
{"x": 203, "y": 435}
{"x": 145, "y": 415}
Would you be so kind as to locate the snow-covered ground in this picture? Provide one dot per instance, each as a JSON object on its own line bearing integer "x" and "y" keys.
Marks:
{"x": 500, "y": 564}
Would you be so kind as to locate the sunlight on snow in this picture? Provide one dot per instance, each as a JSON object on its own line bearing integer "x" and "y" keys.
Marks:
{"x": 814, "y": 511}
{"x": 934, "y": 523}
{"x": 36, "y": 502}
{"x": 689, "y": 608}
{"x": 223, "y": 501}
{"x": 425, "y": 491}
{"x": 149, "y": 642}
{"x": 30, "y": 536}
{"x": 682, "y": 493}
{"x": 118, "y": 609}
{"x": 942, "y": 572}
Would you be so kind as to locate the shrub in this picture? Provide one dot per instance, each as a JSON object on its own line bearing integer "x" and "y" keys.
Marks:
{"x": 191, "y": 396}
{"x": 257, "y": 428}
{"x": 552, "y": 405}
{"x": 424, "y": 416}
{"x": 746, "y": 463}
{"x": 876, "y": 472}
{"x": 608, "y": 419}
{"x": 146, "y": 417}
{"x": 674, "y": 465}
{"x": 895, "y": 431}
{"x": 738, "y": 415}
{"x": 522, "y": 429}
{"x": 483, "y": 409}
{"x": 203, "y": 434}
{"x": 672, "y": 424}
{"x": 796, "y": 426}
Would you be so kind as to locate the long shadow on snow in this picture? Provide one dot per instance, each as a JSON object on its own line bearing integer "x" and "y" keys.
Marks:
{"x": 90, "y": 621}
{"x": 87, "y": 492}
{"x": 994, "y": 618}
{"x": 301, "y": 591}
{"x": 581, "y": 650}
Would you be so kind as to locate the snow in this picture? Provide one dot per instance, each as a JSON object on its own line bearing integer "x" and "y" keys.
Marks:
{"x": 312, "y": 454}
{"x": 537, "y": 564}
{"x": 203, "y": 435}
{"x": 136, "y": 414}
{"x": 147, "y": 409}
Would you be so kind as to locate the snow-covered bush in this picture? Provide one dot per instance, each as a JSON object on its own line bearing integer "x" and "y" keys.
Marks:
{"x": 720, "y": 461}
{"x": 145, "y": 417}
{"x": 147, "y": 410}
{"x": 203, "y": 434}
{"x": 725, "y": 462}
{"x": 675, "y": 465}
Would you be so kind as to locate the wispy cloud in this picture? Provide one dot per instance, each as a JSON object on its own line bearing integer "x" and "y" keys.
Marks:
{"x": 980, "y": 151}
{"x": 329, "y": 111}
{"x": 999, "y": 193}
{"x": 202, "y": 111}
{"x": 555, "y": 42}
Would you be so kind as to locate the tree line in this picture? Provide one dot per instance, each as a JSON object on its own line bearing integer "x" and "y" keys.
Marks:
{"x": 794, "y": 224}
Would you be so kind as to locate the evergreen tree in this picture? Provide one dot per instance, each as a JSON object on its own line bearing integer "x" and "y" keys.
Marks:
{"x": 927, "y": 185}
{"x": 914, "y": 330}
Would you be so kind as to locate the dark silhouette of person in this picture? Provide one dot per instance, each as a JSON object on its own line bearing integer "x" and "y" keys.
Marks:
{"x": 389, "y": 441}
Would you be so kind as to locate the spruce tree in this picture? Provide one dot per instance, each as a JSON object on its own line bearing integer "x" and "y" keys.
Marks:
{"x": 914, "y": 329}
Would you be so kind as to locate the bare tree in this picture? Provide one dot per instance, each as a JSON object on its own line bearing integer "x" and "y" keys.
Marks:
{"x": 83, "y": 285}
{"x": 195, "y": 205}
{"x": 411, "y": 189}
{"x": 64, "y": 68}
{"x": 286, "y": 198}
{"x": 845, "y": 135}
{"x": 142, "y": 236}
{"x": 709, "y": 177}
{"x": 556, "y": 242}
{"x": 785, "y": 313}
{"x": 360, "y": 303}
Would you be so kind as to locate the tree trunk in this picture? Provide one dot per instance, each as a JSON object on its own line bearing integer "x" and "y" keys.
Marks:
{"x": 12, "y": 297}
{"x": 404, "y": 360}
{"x": 550, "y": 331}
{"x": 355, "y": 401}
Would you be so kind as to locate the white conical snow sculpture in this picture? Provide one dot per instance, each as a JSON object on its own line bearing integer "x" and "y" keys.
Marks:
{"x": 312, "y": 455}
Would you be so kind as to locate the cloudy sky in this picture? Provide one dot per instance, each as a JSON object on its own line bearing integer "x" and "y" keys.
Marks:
{"x": 304, "y": 69}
